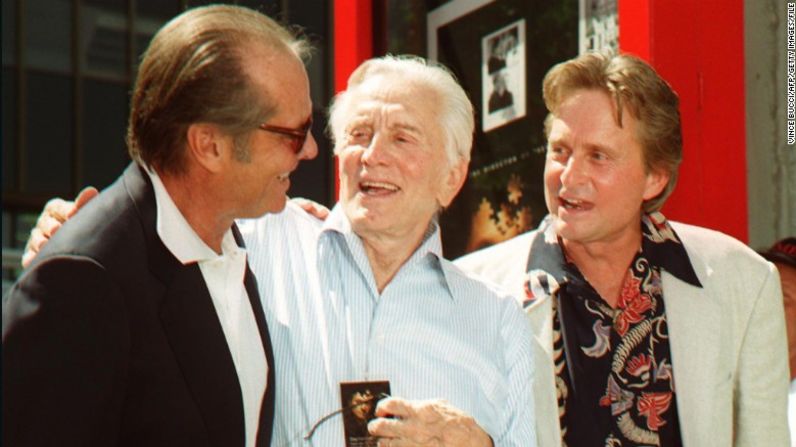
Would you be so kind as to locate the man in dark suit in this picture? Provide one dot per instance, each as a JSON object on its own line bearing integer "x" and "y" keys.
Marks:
{"x": 140, "y": 323}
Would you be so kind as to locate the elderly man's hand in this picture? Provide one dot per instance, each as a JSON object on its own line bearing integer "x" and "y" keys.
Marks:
{"x": 425, "y": 423}
{"x": 56, "y": 212}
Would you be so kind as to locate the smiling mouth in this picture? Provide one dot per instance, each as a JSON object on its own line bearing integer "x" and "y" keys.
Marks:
{"x": 575, "y": 204}
{"x": 283, "y": 177}
{"x": 378, "y": 188}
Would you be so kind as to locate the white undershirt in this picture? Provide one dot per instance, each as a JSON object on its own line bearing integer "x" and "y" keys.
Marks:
{"x": 223, "y": 275}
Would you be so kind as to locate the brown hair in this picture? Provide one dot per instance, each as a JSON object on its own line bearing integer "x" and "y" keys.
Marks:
{"x": 193, "y": 72}
{"x": 633, "y": 85}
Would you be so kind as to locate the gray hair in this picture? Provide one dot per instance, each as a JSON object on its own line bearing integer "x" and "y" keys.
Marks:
{"x": 456, "y": 117}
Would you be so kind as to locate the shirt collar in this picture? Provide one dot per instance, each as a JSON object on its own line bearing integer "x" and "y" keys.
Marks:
{"x": 660, "y": 245}
{"x": 177, "y": 235}
{"x": 663, "y": 248}
{"x": 338, "y": 222}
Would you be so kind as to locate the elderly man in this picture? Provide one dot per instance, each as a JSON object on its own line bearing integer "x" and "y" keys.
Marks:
{"x": 661, "y": 333}
{"x": 140, "y": 323}
{"x": 368, "y": 297}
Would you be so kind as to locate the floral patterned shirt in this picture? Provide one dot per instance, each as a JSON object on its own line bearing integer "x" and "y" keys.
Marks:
{"x": 613, "y": 365}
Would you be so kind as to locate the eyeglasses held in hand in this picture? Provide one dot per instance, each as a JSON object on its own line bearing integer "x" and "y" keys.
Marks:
{"x": 311, "y": 432}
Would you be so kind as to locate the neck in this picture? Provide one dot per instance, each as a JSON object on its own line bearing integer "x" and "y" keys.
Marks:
{"x": 605, "y": 264}
{"x": 194, "y": 197}
{"x": 388, "y": 253}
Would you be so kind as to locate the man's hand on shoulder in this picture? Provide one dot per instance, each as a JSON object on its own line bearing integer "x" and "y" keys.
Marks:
{"x": 55, "y": 213}
{"x": 407, "y": 423}
{"x": 312, "y": 208}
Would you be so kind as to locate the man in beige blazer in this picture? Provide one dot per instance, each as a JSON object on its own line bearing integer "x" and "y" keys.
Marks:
{"x": 659, "y": 333}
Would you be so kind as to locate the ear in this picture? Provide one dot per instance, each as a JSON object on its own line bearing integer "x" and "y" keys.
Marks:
{"x": 207, "y": 146}
{"x": 452, "y": 182}
{"x": 656, "y": 182}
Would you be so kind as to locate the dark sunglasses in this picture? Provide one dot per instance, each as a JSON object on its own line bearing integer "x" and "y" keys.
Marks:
{"x": 297, "y": 136}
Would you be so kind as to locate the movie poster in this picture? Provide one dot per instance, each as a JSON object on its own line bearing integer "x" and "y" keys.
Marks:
{"x": 499, "y": 52}
{"x": 598, "y": 25}
{"x": 503, "y": 76}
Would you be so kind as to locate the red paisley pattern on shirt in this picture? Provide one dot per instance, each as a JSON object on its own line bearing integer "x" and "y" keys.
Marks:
{"x": 631, "y": 305}
{"x": 614, "y": 376}
{"x": 652, "y": 405}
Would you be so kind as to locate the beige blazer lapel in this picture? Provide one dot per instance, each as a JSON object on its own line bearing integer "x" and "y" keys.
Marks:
{"x": 696, "y": 327}
{"x": 548, "y": 430}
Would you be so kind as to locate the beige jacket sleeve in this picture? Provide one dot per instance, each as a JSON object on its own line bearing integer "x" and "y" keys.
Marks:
{"x": 762, "y": 380}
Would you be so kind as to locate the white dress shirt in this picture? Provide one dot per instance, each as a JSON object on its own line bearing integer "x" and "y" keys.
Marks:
{"x": 434, "y": 332}
{"x": 223, "y": 275}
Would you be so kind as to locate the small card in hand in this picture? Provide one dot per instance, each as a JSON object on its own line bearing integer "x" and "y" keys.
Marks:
{"x": 359, "y": 401}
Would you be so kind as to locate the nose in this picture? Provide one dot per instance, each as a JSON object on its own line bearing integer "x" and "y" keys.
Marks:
{"x": 376, "y": 151}
{"x": 310, "y": 148}
{"x": 574, "y": 173}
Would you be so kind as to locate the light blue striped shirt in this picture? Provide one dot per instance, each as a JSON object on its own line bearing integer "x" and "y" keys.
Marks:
{"x": 434, "y": 332}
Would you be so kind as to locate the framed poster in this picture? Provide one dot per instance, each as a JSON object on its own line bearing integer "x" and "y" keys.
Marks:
{"x": 503, "y": 76}
{"x": 500, "y": 52}
{"x": 598, "y": 25}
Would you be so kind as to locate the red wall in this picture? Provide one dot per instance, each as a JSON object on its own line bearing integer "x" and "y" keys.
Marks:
{"x": 698, "y": 47}
{"x": 353, "y": 44}
{"x": 353, "y": 38}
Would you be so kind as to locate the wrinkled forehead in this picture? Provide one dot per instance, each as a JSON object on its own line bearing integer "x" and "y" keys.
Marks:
{"x": 408, "y": 100}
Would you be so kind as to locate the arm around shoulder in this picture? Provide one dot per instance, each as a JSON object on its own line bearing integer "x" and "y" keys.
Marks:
{"x": 65, "y": 345}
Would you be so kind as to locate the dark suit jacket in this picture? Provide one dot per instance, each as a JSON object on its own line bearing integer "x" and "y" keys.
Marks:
{"x": 108, "y": 340}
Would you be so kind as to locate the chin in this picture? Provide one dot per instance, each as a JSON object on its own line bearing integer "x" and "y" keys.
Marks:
{"x": 565, "y": 230}
{"x": 364, "y": 222}
{"x": 355, "y": 211}
{"x": 269, "y": 208}
{"x": 277, "y": 207}
{"x": 360, "y": 219}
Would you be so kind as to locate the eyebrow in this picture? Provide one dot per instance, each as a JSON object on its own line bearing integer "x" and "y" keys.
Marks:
{"x": 554, "y": 141}
{"x": 600, "y": 148}
{"x": 406, "y": 127}
{"x": 589, "y": 146}
{"x": 365, "y": 119}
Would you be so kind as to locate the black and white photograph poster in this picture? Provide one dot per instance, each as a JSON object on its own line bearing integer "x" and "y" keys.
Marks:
{"x": 503, "y": 75}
